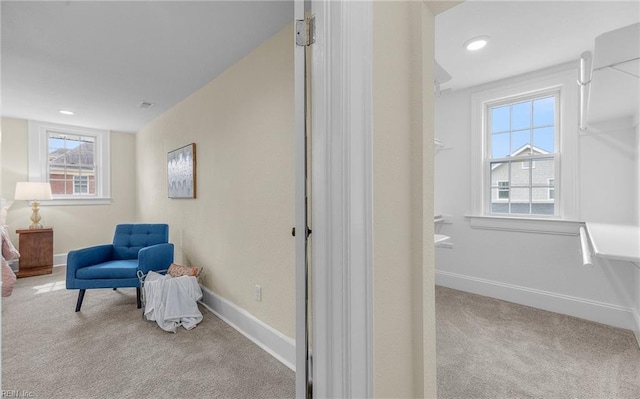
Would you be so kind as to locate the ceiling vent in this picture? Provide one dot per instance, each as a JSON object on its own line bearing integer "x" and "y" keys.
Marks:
{"x": 145, "y": 104}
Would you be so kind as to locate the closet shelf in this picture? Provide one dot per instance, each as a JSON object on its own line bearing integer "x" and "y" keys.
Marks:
{"x": 610, "y": 80}
{"x": 611, "y": 241}
{"x": 439, "y": 238}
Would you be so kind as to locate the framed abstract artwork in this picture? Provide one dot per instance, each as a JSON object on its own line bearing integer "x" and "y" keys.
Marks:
{"x": 181, "y": 172}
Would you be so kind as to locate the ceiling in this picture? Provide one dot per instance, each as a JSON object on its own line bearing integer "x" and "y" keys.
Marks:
{"x": 525, "y": 36}
{"x": 102, "y": 59}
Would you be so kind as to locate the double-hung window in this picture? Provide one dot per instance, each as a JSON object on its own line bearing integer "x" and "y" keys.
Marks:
{"x": 72, "y": 164}
{"x": 524, "y": 140}
{"x": 74, "y": 160}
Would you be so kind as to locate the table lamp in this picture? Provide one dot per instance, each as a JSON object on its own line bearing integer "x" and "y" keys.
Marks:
{"x": 33, "y": 191}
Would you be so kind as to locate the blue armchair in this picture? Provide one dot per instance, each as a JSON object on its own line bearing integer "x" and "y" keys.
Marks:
{"x": 135, "y": 247}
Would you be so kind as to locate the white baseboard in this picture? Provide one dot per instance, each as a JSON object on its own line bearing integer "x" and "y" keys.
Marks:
{"x": 636, "y": 331}
{"x": 613, "y": 315}
{"x": 271, "y": 340}
{"x": 59, "y": 260}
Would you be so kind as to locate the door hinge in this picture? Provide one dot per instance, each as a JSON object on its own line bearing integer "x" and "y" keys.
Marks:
{"x": 293, "y": 231}
{"x": 305, "y": 31}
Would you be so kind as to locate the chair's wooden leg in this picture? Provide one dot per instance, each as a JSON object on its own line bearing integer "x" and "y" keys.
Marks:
{"x": 80, "y": 298}
{"x": 138, "y": 298}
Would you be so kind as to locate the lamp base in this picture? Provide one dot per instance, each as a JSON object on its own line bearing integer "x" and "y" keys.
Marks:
{"x": 35, "y": 216}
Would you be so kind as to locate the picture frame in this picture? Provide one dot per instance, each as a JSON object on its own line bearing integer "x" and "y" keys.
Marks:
{"x": 181, "y": 172}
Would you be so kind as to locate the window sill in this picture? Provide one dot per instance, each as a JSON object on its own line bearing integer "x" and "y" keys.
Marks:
{"x": 76, "y": 201}
{"x": 525, "y": 225}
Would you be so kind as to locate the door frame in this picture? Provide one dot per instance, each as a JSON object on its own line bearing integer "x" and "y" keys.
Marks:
{"x": 342, "y": 192}
{"x": 300, "y": 202}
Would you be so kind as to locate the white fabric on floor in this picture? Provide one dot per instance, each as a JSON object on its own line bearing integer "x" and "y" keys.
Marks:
{"x": 171, "y": 301}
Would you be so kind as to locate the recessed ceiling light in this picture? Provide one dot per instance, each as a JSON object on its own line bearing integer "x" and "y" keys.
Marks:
{"x": 476, "y": 43}
{"x": 66, "y": 112}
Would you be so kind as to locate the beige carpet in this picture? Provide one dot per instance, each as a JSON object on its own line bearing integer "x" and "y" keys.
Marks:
{"x": 488, "y": 348}
{"x": 108, "y": 351}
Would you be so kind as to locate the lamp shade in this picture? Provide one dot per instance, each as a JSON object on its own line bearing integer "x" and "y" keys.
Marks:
{"x": 31, "y": 191}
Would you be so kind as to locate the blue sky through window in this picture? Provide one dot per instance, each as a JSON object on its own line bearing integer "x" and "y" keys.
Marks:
{"x": 516, "y": 125}
{"x": 55, "y": 144}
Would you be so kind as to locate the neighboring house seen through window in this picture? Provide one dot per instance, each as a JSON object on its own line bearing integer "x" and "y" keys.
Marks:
{"x": 521, "y": 133}
{"x": 503, "y": 189}
{"x": 71, "y": 164}
{"x": 524, "y": 152}
{"x": 81, "y": 184}
{"x": 74, "y": 160}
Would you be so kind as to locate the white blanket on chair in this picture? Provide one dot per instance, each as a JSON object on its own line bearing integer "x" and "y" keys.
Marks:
{"x": 171, "y": 301}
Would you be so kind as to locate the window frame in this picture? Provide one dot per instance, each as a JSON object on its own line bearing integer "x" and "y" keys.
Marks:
{"x": 527, "y": 162}
{"x": 39, "y": 161}
{"x": 561, "y": 78}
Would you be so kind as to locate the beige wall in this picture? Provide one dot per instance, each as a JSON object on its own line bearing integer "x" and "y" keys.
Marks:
{"x": 404, "y": 332}
{"x": 239, "y": 227}
{"x": 74, "y": 226}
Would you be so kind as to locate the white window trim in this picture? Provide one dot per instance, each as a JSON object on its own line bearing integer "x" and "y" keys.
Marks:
{"x": 527, "y": 162}
{"x": 38, "y": 149}
{"x": 562, "y": 78}
{"x": 550, "y": 188}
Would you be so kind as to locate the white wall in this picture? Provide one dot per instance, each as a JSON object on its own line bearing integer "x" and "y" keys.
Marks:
{"x": 609, "y": 176}
{"x": 535, "y": 269}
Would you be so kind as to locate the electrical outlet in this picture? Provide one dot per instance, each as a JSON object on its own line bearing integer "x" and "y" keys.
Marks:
{"x": 258, "y": 293}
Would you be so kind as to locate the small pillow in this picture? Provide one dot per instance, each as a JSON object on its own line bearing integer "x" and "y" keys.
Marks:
{"x": 176, "y": 270}
{"x": 9, "y": 252}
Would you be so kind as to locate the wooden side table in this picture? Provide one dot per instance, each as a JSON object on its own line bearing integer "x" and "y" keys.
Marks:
{"x": 36, "y": 252}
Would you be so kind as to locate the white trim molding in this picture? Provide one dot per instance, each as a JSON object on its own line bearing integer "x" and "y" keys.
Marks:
{"x": 562, "y": 79}
{"x": 525, "y": 225}
{"x": 38, "y": 165}
{"x": 600, "y": 312}
{"x": 342, "y": 192}
{"x": 636, "y": 332}
{"x": 266, "y": 337}
{"x": 59, "y": 260}
{"x": 302, "y": 362}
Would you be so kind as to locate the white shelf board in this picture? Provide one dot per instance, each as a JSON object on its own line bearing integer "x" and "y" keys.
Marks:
{"x": 440, "y": 238}
{"x": 615, "y": 241}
